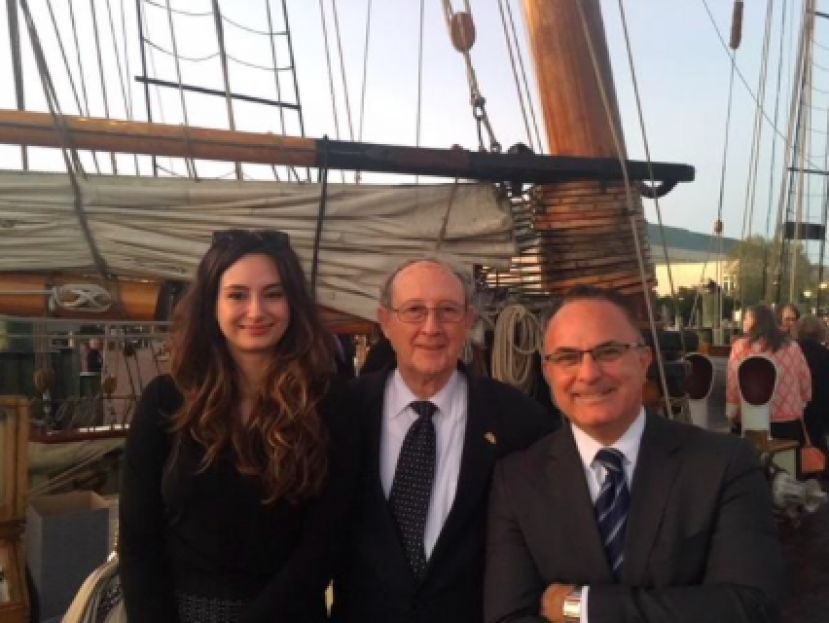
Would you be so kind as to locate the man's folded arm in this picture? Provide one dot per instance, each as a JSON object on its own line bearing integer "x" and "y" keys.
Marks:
{"x": 743, "y": 579}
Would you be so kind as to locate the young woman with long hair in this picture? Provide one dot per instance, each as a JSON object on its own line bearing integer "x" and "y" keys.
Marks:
{"x": 240, "y": 464}
{"x": 763, "y": 336}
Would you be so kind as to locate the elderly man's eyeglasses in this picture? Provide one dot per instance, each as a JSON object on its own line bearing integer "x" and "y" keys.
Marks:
{"x": 418, "y": 312}
{"x": 603, "y": 353}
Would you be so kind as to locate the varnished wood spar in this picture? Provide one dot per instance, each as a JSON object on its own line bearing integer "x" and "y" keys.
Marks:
{"x": 29, "y": 128}
{"x": 573, "y": 111}
{"x": 134, "y": 300}
{"x": 574, "y": 220}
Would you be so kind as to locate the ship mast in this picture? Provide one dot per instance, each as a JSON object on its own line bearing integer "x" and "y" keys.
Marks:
{"x": 581, "y": 114}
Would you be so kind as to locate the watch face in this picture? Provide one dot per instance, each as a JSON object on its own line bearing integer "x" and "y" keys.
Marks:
{"x": 572, "y": 606}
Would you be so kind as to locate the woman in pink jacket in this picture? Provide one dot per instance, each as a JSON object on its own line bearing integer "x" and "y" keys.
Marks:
{"x": 794, "y": 383}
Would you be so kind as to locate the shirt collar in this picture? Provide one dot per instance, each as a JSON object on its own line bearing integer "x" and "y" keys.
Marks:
{"x": 400, "y": 396}
{"x": 627, "y": 444}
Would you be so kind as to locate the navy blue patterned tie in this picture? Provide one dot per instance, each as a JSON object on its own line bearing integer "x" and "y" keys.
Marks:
{"x": 412, "y": 485}
{"x": 612, "y": 507}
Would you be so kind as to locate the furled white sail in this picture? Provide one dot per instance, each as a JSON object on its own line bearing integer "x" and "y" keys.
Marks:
{"x": 160, "y": 227}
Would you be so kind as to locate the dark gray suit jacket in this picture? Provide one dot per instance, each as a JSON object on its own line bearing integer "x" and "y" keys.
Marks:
{"x": 377, "y": 585}
{"x": 701, "y": 543}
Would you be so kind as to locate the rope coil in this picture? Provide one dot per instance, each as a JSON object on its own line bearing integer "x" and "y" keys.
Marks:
{"x": 517, "y": 339}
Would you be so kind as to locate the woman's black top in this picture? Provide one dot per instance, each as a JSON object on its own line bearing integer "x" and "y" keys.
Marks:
{"x": 209, "y": 534}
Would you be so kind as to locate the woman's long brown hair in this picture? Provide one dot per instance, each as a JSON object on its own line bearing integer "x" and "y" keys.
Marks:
{"x": 284, "y": 442}
{"x": 765, "y": 329}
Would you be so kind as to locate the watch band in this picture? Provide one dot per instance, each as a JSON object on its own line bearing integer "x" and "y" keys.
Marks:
{"x": 571, "y": 608}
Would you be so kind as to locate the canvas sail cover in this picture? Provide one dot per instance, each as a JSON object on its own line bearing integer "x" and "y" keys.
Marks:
{"x": 158, "y": 228}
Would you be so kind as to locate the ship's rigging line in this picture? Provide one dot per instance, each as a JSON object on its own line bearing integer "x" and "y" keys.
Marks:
{"x": 82, "y": 109}
{"x": 190, "y": 162}
{"x": 67, "y": 146}
{"x": 646, "y": 144}
{"x": 122, "y": 82}
{"x": 419, "y": 106}
{"x": 632, "y": 212}
{"x": 773, "y": 163}
{"x": 330, "y": 79}
{"x": 754, "y": 155}
{"x": 343, "y": 76}
{"x": 791, "y": 148}
{"x": 220, "y": 37}
{"x": 222, "y": 54}
{"x": 103, "y": 82}
{"x": 275, "y": 73}
{"x": 518, "y": 90}
{"x": 357, "y": 174}
{"x": 742, "y": 78}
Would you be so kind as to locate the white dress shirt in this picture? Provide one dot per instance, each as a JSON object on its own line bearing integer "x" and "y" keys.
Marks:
{"x": 628, "y": 445}
{"x": 450, "y": 426}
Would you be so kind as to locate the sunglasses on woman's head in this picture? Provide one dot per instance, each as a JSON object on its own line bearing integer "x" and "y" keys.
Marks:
{"x": 269, "y": 236}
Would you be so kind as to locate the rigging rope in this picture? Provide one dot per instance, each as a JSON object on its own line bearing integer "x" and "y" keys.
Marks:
{"x": 790, "y": 151}
{"x": 191, "y": 164}
{"x": 121, "y": 82}
{"x": 330, "y": 77}
{"x": 83, "y": 85}
{"x": 68, "y": 151}
{"x": 617, "y": 142}
{"x": 742, "y": 78}
{"x": 343, "y": 77}
{"x": 251, "y": 65}
{"x": 364, "y": 81}
{"x": 646, "y": 144}
{"x": 69, "y": 74}
{"x": 418, "y": 108}
{"x": 754, "y": 158}
{"x": 103, "y": 82}
{"x": 220, "y": 37}
{"x": 530, "y": 103}
{"x": 191, "y": 59}
{"x": 277, "y": 85}
{"x": 270, "y": 32}
{"x": 178, "y": 11}
{"x": 516, "y": 340}
{"x": 774, "y": 141}
{"x": 518, "y": 90}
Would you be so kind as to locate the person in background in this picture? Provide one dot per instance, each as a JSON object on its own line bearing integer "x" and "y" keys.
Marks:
{"x": 432, "y": 432}
{"x": 94, "y": 358}
{"x": 240, "y": 464}
{"x": 762, "y": 336}
{"x": 811, "y": 336}
{"x": 787, "y": 317}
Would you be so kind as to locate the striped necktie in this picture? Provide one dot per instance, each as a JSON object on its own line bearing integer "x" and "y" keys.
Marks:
{"x": 612, "y": 507}
{"x": 411, "y": 488}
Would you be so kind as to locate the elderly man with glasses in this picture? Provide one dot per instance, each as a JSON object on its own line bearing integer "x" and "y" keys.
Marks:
{"x": 622, "y": 515}
{"x": 432, "y": 433}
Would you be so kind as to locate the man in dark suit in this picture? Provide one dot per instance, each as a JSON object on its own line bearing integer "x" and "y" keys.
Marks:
{"x": 432, "y": 433}
{"x": 622, "y": 515}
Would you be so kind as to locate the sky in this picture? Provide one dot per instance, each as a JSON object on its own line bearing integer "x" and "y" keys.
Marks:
{"x": 681, "y": 67}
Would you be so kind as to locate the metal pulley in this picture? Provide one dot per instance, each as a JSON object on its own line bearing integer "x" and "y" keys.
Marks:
{"x": 462, "y": 31}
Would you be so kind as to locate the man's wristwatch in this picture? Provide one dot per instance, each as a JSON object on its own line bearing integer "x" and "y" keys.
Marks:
{"x": 572, "y": 606}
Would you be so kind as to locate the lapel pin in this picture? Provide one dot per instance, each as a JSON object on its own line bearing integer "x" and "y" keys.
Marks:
{"x": 490, "y": 437}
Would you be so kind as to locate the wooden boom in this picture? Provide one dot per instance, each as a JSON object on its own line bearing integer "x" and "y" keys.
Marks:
{"x": 40, "y": 129}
